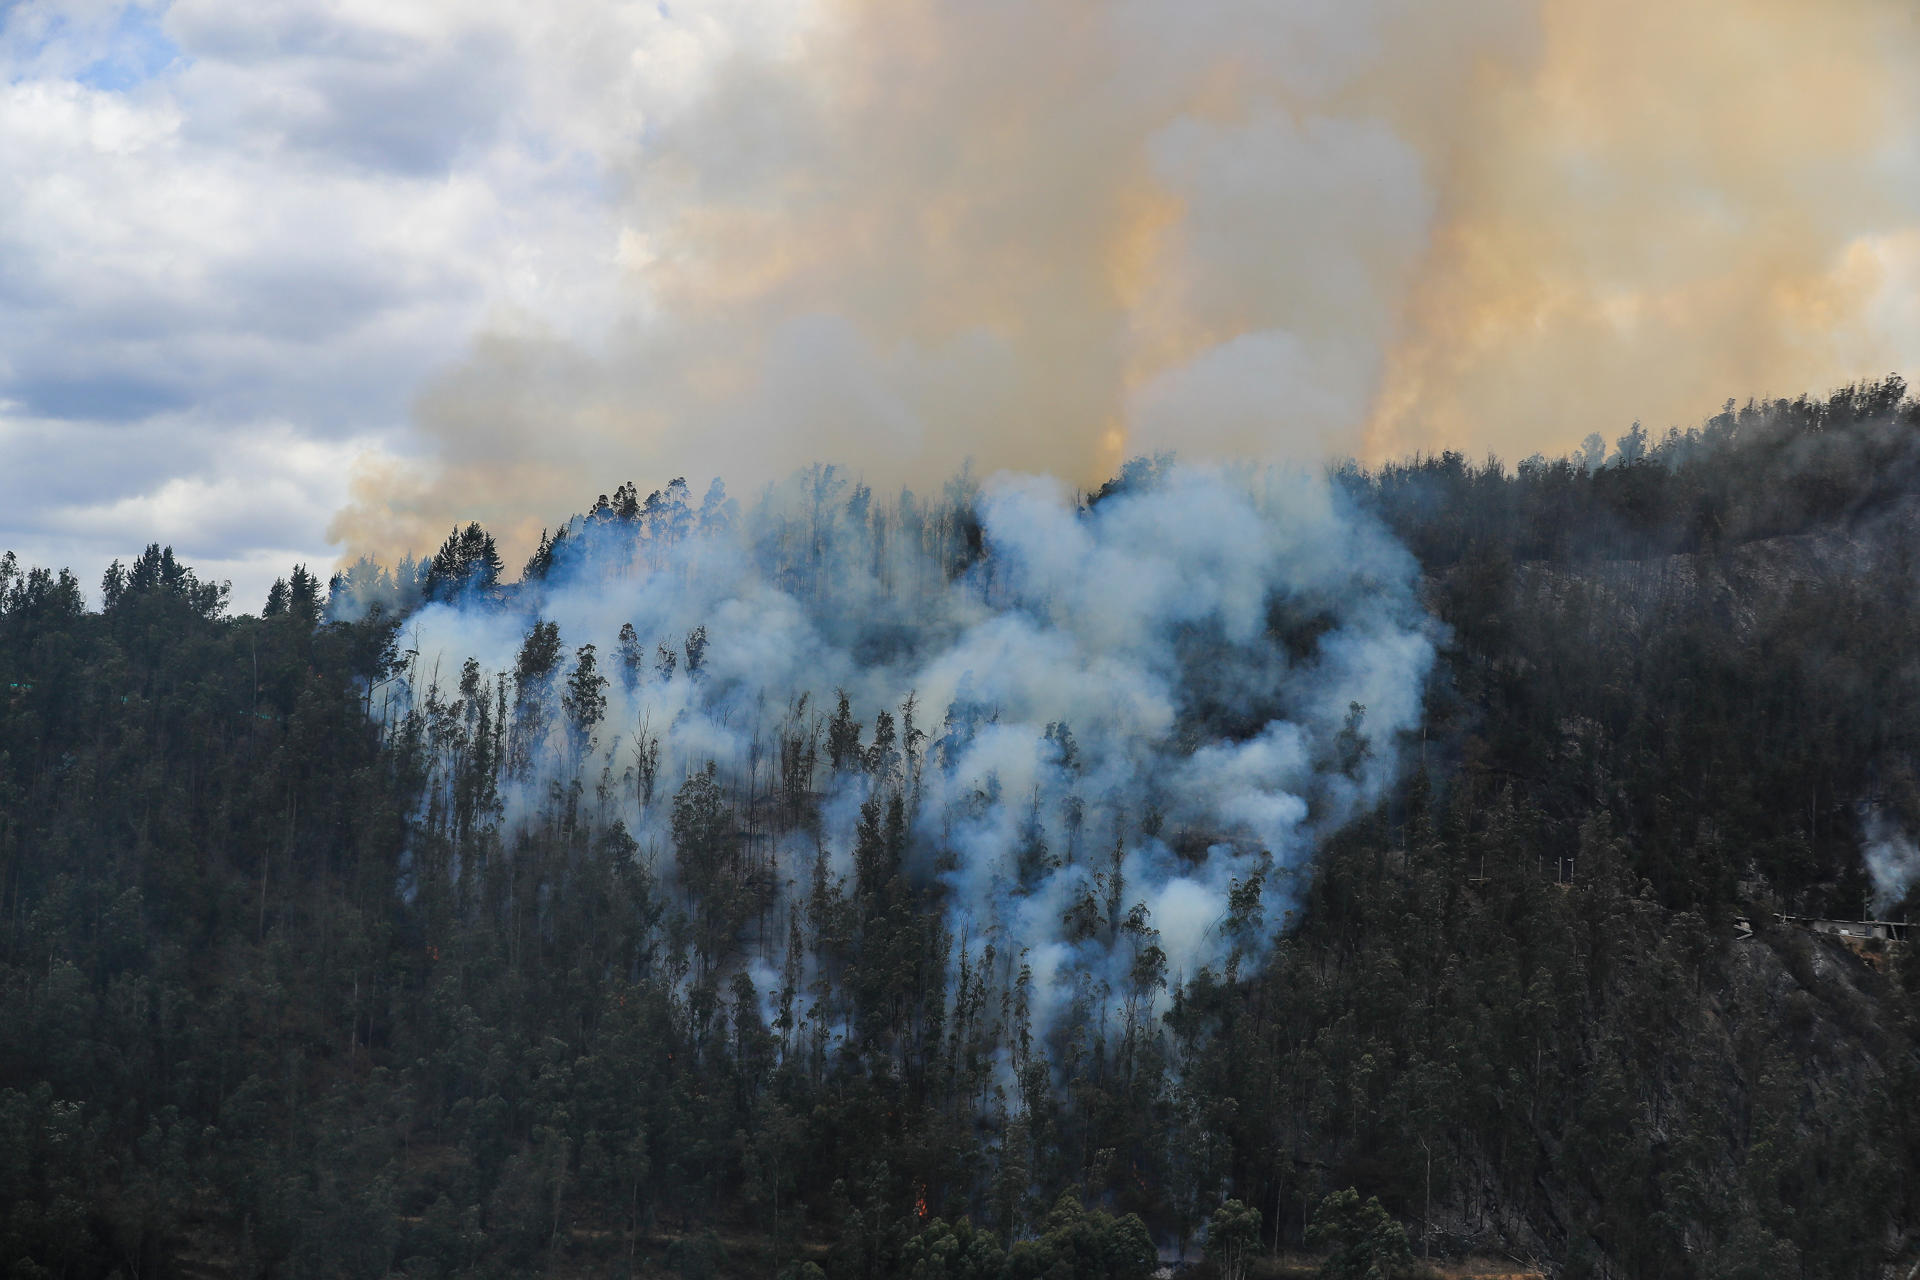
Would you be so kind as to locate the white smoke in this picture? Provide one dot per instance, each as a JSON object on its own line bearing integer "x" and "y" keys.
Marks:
{"x": 1130, "y": 707}
{"x": 1893, "y": 861}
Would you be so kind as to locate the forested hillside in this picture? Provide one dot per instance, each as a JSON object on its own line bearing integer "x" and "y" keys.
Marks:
{"x": 324, "y": 953}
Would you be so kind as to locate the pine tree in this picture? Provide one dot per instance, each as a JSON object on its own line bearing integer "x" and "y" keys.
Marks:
{"x": 467, "y": 565}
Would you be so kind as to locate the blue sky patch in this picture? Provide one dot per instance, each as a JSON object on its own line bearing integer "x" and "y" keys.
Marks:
{"x": 137, "y": 51}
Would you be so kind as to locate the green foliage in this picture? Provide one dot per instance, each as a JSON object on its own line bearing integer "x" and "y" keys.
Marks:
{"x": 1233, "y": 1235}
{"x": 584, "y": 702}
{"x": 1076, "y": 1244}
{"x": 956, "y": 1252}
{"x": 1362, "y": 1241}
{"x": 698, "y": 1257}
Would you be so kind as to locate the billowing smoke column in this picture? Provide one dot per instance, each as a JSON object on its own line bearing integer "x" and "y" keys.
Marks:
{"x": 1049, "y": 236}
{"x": 1106, "y": 733}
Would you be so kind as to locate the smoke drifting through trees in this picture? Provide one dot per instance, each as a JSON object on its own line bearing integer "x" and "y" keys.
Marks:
{"x": 1097, "y": 739}
{"x": 1892, "y": 861}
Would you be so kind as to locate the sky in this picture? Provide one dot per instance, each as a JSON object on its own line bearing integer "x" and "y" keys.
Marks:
{"x": 295, "y": 280}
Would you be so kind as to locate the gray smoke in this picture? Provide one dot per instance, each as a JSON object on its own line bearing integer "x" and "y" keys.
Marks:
{"x": 1139, "y": 715}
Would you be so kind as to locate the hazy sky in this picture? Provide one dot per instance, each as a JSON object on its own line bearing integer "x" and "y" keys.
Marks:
{"x": 286, "y": 278}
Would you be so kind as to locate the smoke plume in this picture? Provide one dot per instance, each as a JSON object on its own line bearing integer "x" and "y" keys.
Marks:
{"x": 1051, "y": 236}
{"x": 1113, "y": 736}
{"x": 1893, "y": 861}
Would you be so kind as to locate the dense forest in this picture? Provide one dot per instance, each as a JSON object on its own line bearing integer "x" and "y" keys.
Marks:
{"x": 320, "y": 959}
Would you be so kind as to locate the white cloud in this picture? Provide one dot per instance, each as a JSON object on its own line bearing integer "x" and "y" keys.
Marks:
{"x": 236, "y": 239}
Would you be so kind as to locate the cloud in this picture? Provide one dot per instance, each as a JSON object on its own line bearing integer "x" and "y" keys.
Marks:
{"x": 225, "y": 226}
{"x": 233, "y": 496}
{"x": 355, "y": 92}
